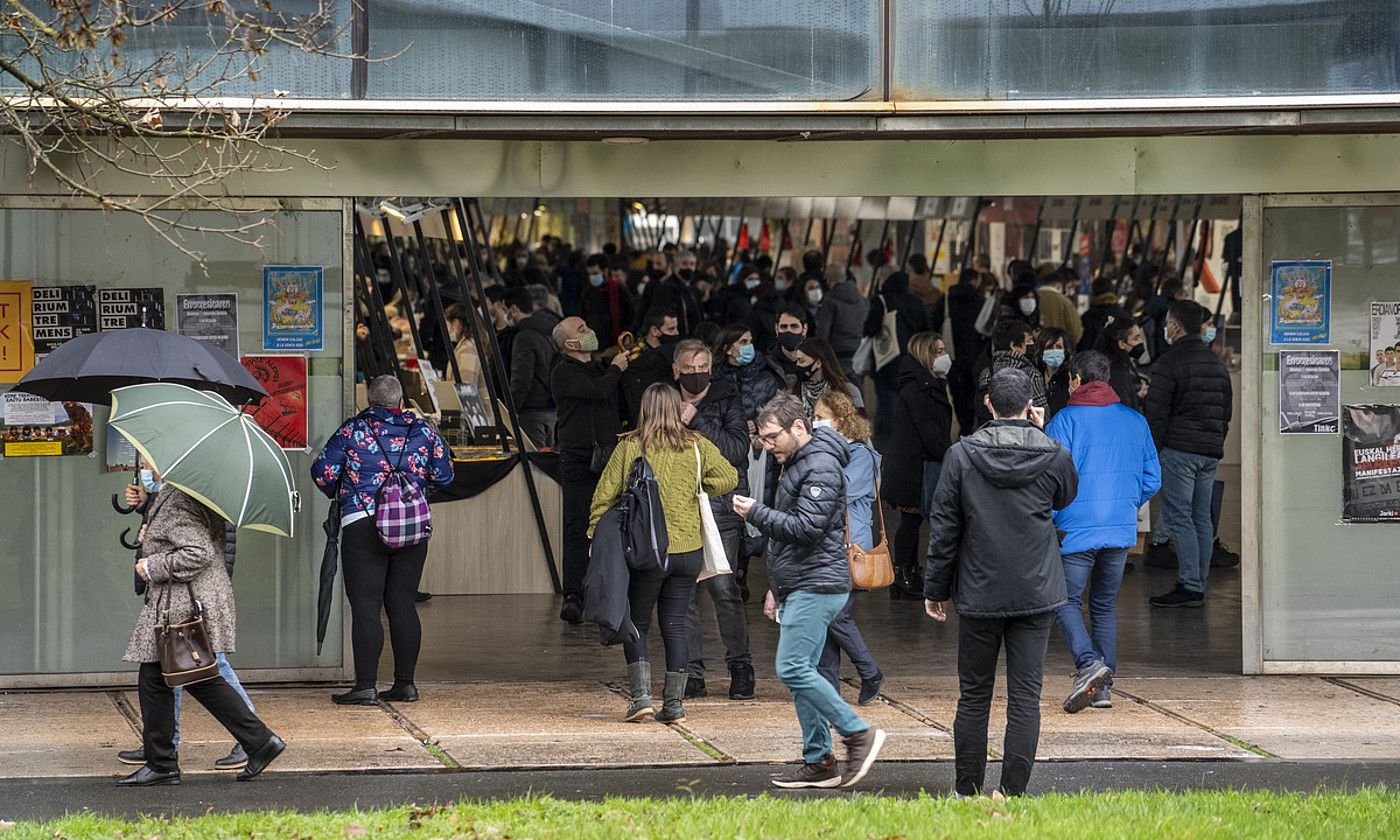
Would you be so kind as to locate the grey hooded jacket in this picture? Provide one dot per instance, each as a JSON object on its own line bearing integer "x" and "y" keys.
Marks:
{"x": 806, "y": 525}
{"x": 993, "y": 548}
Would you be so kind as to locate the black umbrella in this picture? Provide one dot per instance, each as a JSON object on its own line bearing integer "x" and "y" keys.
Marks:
{"x": 87, "y": 368}
{"x": 328, "y": 563}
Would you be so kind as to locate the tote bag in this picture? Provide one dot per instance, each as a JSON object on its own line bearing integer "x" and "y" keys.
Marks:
{"x": 758, "y": 480}
{"x": 885, "y": 345}
{"x": 716, "y": 563}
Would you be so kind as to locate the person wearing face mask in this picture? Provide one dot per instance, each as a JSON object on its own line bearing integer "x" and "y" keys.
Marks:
{"x": 840, "y": 319}
{"x": 673, "y": 292}
{"x": 605, "y": 304}
{"x": 785, "y": 282}
{"x": 1051, "y": 349}
{"x": 1123, "y": 344}
{"x": 659, "y": 334}
{"x": 141, "y": 498}
{"x": 469, "y": 367}
{"x": 713, "y": 408}
{"x": 586, "y": 393}
{"x": 923, "y": 431}
{"x": 790, "y": 330}
{"x": 1104, "y": 307}
{"x": 819, "y": 372}
{"x": 1023, "y": 304}
{"x": 1188, "y": 408}
{"x": 1012, "y": 344}
{"x": 812, "y": 293}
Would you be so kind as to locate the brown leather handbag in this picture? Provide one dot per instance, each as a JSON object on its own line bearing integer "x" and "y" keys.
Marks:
{"x": 871, "y": 568}
{"x": 186, "y": 656}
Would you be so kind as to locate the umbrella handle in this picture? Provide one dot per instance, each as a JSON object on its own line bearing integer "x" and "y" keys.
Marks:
{"x": 127, "y": 545}
{"x": 121, "y": 508}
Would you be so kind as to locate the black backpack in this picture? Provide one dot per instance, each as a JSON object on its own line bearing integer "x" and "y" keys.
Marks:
{"x": 644, "y": 539}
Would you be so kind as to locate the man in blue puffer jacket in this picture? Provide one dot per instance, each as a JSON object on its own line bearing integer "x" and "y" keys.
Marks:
{"x": 1118, "y": 473}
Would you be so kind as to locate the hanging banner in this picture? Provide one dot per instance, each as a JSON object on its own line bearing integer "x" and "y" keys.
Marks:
{"x": 1385, "y": 343}
{"x": 16, "y": 316}
{"x": 1309, "y": 392}
{"x": 210, "y": 319}
{"x": 292, "y": 307}
{"x": 1371, "y": 463}
{"x": 61, "y": 314}
{"x": 33, "y": 426}
{"x": 1301, "y": 312}
{"x": 283, "y": 412}
{"x": 120, "y": 309}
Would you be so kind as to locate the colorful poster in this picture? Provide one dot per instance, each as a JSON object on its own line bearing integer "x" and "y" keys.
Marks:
{"x": 292, "y": 307}
{"x": 283, "y": 413}
{"x": 33, "y": 426}
{"x": 120, "y": 309}
{"x": 61, "y": 314}
{"x": 1309, "y": 392}
{"x": 211, "y": 319}
{"x": 1302, "y": 302}
{"x": 1371, "y": 463}
{"x": 16, "y": 344}
{"x": 1385, "y": 343}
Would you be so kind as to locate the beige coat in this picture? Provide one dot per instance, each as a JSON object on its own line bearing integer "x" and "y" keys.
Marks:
{"x": 184, "y": 542}
{"x": 472, "y": 371}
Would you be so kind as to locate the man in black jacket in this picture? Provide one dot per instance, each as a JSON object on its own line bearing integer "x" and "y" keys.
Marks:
{"x": 810, "y": 582}
{"x": 1188, "y": 408}
{"x": 531, "y": 359}
{"x": 659, "y": 335}
{"x": 716, "y": 410}
{"x": 1001, "y": 567}
{"x": 964, "y": 304}
{"x": 585, "y": 392}
{"x": 673, "y": 292}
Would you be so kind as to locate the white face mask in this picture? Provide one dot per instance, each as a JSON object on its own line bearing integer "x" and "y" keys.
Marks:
{"x": 814, "y": 296}
{"x": 942, "y": 365}
{"x": 1027, "y": 305}
{"x": 821, "y": 424}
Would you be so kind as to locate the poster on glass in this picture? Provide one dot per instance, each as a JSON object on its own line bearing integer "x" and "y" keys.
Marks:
{"x": 1371, "y": 463}
{"x": 1301, "y": 311}
{"x": 292, "y": 301}
{"x": 1385, "y": 343}
{"x": 34, "y": 426}
{"x": 1309, "y": 392}
{"x": 283, "y": 412}
{"x": 210, "y": 319}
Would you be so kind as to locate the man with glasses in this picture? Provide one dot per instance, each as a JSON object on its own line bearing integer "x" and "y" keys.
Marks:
{"x": 810, "y": 582}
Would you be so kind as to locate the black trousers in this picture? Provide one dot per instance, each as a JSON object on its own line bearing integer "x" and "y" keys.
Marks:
{"x": 669, "y": 593}
{"x": 378, "y": 577}
{"x": 906, "y": 547}
{"x": 216, "y": 695}
{"x": 577, "y": 483}
{"x": 979, "y": 643}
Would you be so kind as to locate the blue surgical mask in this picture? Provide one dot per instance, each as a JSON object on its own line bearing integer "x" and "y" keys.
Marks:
{"x": 1053, "y": 358}
{"x": 746, "y": 354}
{"x": 1210, "y": 334}
{"x": 751, "y": 283}
{"x": 148, "y": 481}
{"x": 595, "y": 280}
{"x": 780, "y": 285}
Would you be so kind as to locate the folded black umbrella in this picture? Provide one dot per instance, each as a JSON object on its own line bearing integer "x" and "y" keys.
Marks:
{"x": 87, "y": 368}
{"x": 329, "y": 559}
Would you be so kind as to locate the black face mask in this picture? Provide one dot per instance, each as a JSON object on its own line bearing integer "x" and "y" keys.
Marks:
{"x": 666, "y": 339}
{"x": 694, "y": 383}
{"x": 790, "y": 341}
{"x": 806, "y": 373}
{"x": 686, "y": 274}
{"x": 655, "y": 273}
{"x": 1135, "y": 352}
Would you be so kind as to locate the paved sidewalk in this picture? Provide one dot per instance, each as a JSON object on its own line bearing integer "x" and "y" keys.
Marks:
{"x": 499, "y": 726}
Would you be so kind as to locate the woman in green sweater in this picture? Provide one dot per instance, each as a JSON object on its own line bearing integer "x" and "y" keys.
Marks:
{"x": 681, "y": 459}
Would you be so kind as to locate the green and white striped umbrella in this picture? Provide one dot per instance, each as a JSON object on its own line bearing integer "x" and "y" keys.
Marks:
{"x": 199, "y": 442}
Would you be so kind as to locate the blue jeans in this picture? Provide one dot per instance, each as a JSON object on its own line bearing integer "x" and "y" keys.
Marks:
{"x": 225, "y": 671}
{"x": 1101, "y": 570}
{"x": 1187, "y": 483}
{"x": 843, "y": 634}
{"x": 805, "y": 617}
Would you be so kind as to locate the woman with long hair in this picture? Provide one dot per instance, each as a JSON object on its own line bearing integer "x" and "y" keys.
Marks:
{"x": 1123, "y": 343}
{"x": 676, "y": 456}
{"x": 1052, "y": 355}
{"x": 739, "y": 362}
{"x": 836, "y": 410}
{"x": 818, "y": 372}
{"x": 923, "y": 431}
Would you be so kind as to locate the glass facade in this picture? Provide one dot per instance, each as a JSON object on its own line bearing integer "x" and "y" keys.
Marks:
{"x": 1327, "y": 586}
{"x": 67, "y": 605}
{"x": 1091, "y": 49}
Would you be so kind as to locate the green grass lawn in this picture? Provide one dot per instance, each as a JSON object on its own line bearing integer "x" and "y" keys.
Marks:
{"x": 1138, "y": 815}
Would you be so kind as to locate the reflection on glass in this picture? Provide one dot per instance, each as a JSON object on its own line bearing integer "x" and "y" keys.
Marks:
{"x": 1033, "y": 49}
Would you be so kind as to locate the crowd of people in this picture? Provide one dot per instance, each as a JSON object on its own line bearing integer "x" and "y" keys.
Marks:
{"x": 728, "y": 400}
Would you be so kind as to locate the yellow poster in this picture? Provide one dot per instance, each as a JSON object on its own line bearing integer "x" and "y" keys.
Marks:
{"x": 16, "y": 323}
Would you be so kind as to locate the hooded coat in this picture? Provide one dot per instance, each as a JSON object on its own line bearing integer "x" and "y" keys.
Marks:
{"x": 993, "y": 549}
{"x": 806, "y": 525}
{"x": 923, "y": 431}
{"x": 532, "y": 358}
{"x": 841, "y": 319}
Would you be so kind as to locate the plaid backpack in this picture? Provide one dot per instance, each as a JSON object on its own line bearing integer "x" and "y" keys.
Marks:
{"x": 401, "y": 510}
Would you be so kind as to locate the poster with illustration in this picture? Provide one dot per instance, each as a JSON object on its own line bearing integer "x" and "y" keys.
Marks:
{"x": 34, "y": 426}
{"x": 1371, "y": 463}
{"x": 292, "y": 307}
{"x": 1385, "y": 343}
{"x": 283, "y": 412}
{"x": 1302, "y": 302}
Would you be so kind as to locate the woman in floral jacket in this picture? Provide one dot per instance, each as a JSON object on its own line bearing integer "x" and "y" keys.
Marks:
{"x": 354, "y": 464}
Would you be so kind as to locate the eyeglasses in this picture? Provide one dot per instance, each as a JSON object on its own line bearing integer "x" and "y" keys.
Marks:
{"x": 772, "y": 437}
